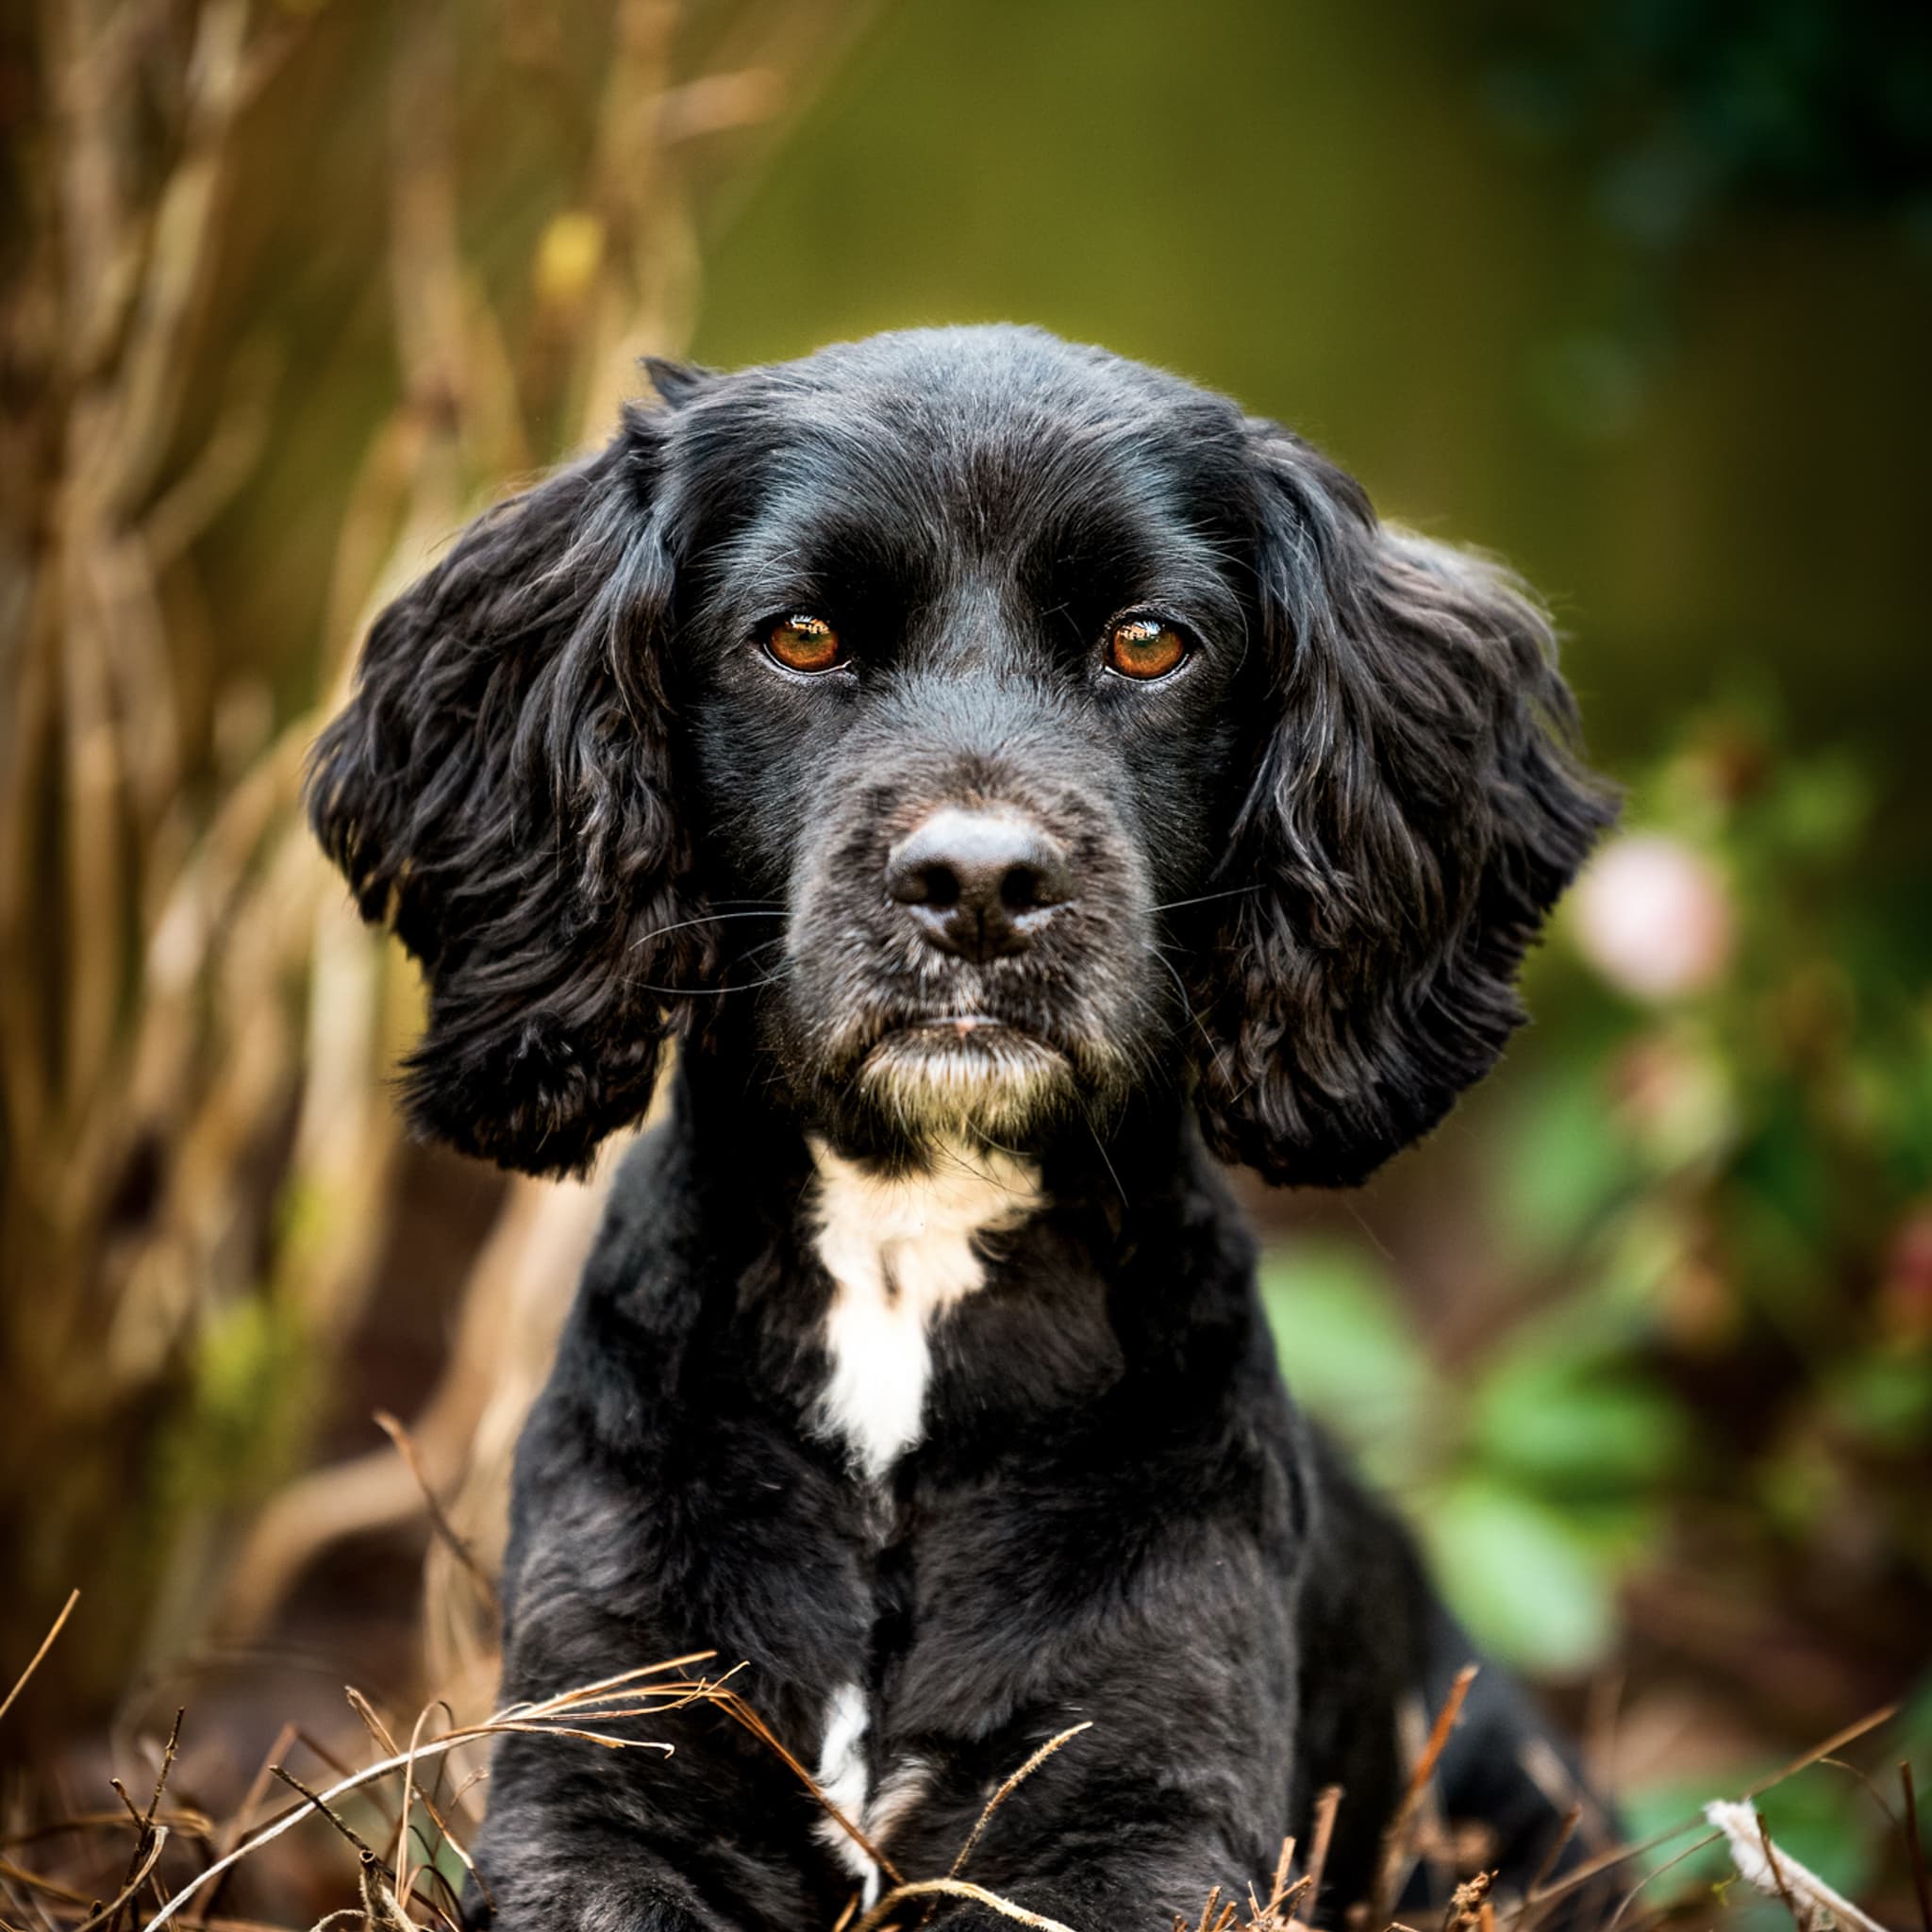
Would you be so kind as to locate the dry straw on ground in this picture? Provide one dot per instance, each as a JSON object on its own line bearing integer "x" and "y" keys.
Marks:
{"x": 425, "y": 1794}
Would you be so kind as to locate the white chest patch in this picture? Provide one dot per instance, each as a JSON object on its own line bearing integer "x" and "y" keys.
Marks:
{"x": 900, "y": 1252}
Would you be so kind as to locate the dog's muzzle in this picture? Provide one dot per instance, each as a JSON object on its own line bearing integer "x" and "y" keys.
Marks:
{"x": 965, "y": 952}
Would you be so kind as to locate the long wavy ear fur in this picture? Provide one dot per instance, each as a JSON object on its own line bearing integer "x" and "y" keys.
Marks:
{"x": 499, "y": 787}
{"x": 1416, "y": 810}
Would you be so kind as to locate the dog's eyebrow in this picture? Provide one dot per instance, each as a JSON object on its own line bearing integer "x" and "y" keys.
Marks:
{"x": 798, "y": 548}
{"x": 1091, "y": 566}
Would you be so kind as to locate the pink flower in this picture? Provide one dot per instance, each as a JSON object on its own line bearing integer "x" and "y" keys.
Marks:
{"x": 1653, "y": 917}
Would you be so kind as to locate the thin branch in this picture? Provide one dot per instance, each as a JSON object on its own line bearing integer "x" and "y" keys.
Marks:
{"x": 1915, "y": 1845}
{"x": 46, "y": 1644}
{"x": 1396, "y": 1852}
{"x": 438, "y": 1517}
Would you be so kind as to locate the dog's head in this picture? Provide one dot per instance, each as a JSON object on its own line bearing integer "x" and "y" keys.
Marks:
{"x": 1000, "y": 729}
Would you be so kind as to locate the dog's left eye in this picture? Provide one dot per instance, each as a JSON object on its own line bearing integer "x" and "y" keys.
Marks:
{"x": 804, "y": 643}
{"x": 1146, "y": 648}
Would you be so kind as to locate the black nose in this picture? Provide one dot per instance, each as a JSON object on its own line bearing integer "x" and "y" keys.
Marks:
{"x": 978, "y": 883}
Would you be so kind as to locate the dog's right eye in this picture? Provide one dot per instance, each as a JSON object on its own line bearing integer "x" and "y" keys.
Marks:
{"x": 1143, "y": 648}
{"x": 804, "y": 643}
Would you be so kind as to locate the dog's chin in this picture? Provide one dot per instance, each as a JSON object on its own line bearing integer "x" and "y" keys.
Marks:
{"x": 965, "y": 1077}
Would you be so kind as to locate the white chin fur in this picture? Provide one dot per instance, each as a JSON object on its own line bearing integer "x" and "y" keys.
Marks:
{"x": 992, "y": 1082}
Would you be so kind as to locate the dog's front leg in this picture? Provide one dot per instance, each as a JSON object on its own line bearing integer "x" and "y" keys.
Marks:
{"x": 574, "y": 1843}
{"x": 1119, "y": 1850}
{"x": 1178, "y": 1780}
{"x": 622, "y": 1561}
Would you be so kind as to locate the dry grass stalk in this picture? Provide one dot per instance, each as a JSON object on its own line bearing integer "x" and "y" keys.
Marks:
{"x": 1006, "y": 1790}
{"x": 391, "y": 1896}
{"x": 1564, "y": 1833}
{"x": 439, "y": 1518}
{"x": 388, "y": 1893}
{"x": 380, "y": 1910}
{"x": 320, "y": 1805}
{"x": 1399, "y": 1842}
{"x": 439, "y": 1815}
{"x": 739, "y": 1712}
{"x": 33, "y": 1663}
{"x": 875, "y": 1920}
{"x": 1284, "y": 1894}
{"x": 628, "y": 1696}
{"x": 235, "y": 1828}
{"x": 144, "y": 1863}
{"x": 1542, "y": 1901}
{"x": 1327, "y": 1803}
{"x": 1469, "y": 1908}
{"x": 149, "y": 1837}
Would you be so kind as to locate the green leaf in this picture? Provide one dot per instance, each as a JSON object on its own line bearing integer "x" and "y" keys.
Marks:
{"x": 1570, "y": 1427}
{"x": 1518, "y": 1575}
{"x": 1349, "y": 1350}
{"x": 1885, "y": 1396}
{"x": 1562, "y": 1162}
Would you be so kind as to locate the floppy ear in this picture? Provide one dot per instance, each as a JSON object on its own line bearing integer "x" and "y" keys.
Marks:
{"x": 499, "y": 789}
{"x": 1416, "y": 809}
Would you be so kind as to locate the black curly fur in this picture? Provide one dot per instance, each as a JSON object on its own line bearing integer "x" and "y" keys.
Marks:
{"x": 1416, "y": 811}
{"x": 500, "y": 789}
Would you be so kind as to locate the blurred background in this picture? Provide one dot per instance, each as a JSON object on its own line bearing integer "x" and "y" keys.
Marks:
{"x": 1637, "y": 293}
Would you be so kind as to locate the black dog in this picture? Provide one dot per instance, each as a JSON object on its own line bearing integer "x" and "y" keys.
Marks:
{"x": 1098, "y": 788}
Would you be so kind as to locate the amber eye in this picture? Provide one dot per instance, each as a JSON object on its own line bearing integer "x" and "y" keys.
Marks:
{"x": 1143, "y": 647}
{"x": 804, "y": 643}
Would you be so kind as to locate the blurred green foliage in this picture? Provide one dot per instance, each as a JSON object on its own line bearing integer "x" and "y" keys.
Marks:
{"x": 1675, "y": 114}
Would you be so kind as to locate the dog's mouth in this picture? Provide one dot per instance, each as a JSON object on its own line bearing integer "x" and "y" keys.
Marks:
{"x": 981, "y": 1041}
{"x": 987, "y": 1029}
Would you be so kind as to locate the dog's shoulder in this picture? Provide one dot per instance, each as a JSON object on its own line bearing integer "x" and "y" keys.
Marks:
{"x": 636, "y": 1299}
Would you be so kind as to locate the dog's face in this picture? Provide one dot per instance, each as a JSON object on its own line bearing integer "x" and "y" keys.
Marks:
{"x": 959, "y": 652}
{"x": 1004, "y": 728}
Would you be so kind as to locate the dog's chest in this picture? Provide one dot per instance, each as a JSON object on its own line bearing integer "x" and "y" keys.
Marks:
{"x": 902, "y": 1251}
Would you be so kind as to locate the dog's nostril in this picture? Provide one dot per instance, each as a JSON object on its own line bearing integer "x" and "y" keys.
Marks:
{"x": 1019, "y": 888}
{"x": 939, "y": 886}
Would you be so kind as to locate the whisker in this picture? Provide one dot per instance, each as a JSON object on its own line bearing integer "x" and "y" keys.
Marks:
{"x": 1187, "y": 1006}
{"x": 1233, "y": 892}
{"x": 701, "y": 993}
{"x": 1094, "y": 1134}
{"x": 1000, "y": 1147}
{"x": 1376, "y": 1240}
{"x": 705, "y": 918}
